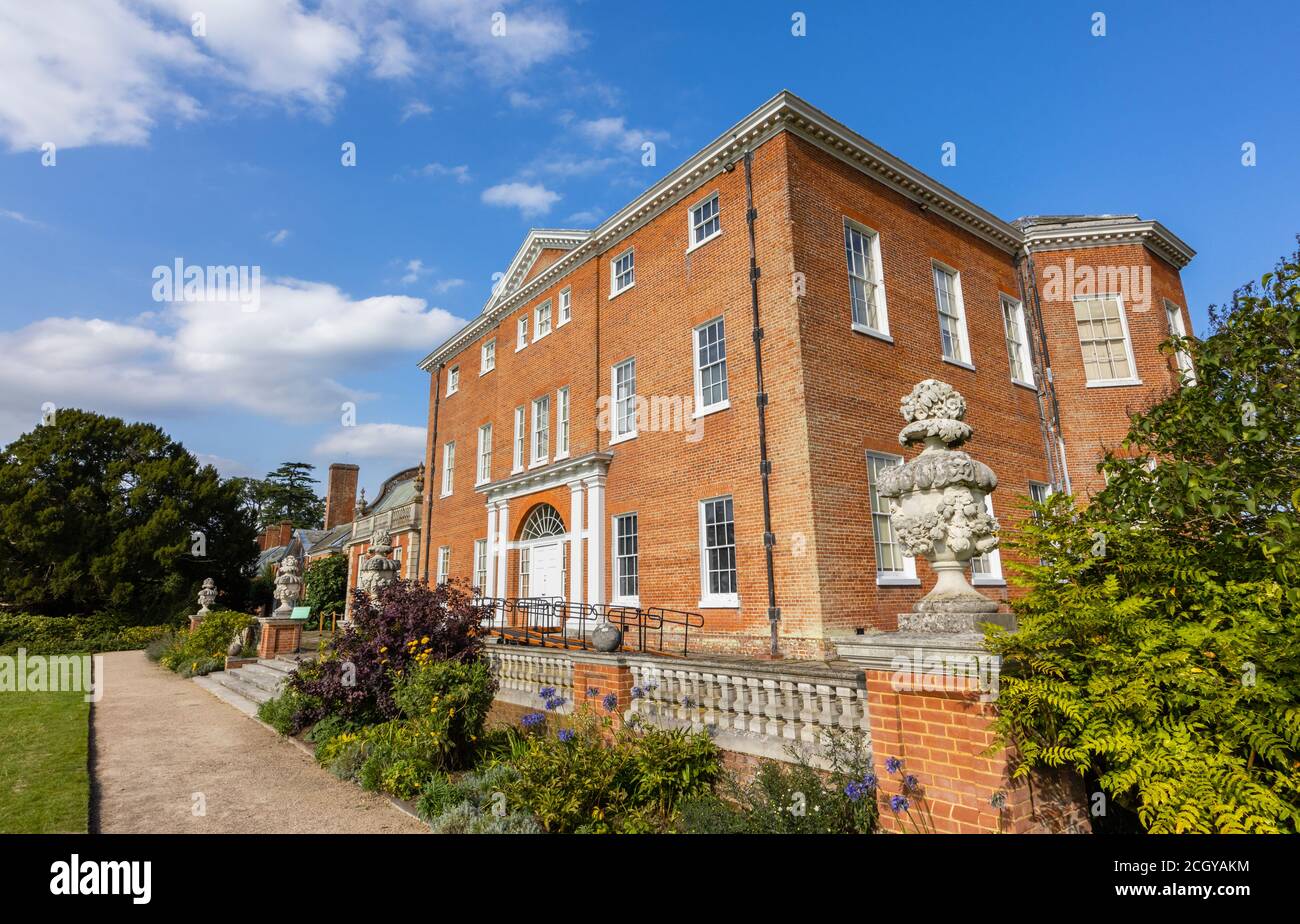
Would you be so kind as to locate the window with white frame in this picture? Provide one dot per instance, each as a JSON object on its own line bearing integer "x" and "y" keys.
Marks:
{"x": 521, "y": 332}
{"x": 562, "y": 423}
{"x": 484, "y": 472}
{"x": 448, "y": 467}
{"x": 718, "y": 553}
{"x": 1013, "y": 322}
{"x": 1174, "y": 317}
{"x": 480, "y": 565}
{"x": 566, "y": 307}
{"x": 711, "y": 367}
{"x": 542, "y": 320}
{"x": 541, "y": 429}
{"x": 488, "y": 357}
{"x": 626, "y": 588}
{"x": 521, "y": 439}
{"x": 866, "y": 279}
{"x": 1103, "y": 337}
{"x": 453, "y": 380}
{"x": 706, "y": 222}
{"x": 892, "y": 566}
{"x": 525, "y": 571}
{"x": 1039, "y": 491}
{"x": 622, "y": 272}
{"x": 624, "y": 391}
{"x": 987, "y": 568}
{"x": 444, "y": 563}
{"x": 952, "y": 314}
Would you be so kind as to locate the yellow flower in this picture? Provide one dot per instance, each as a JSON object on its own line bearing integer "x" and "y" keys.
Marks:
{"x": 425, "y": 640}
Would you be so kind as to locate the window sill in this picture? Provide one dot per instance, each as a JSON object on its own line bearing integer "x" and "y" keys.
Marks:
{"x": 960, "y": 363}
{"x": 697, "y": 245}
{"x": 444, "y": 494}
{"x": 1030, "y": 385}
{"x": 889, "y": 580}
{"x": 516, "y": 470}
{"x": 712, "y": 409}
{"x": 483, "y": 372}
{"x": 560, "y": 457}
{"x": 626, "y": 601}
{"x": 538, "y": 463}
{"x": 541, "y": 336}
{"x": 520, "y": 346}
{"x": 559, "y": 324}
{"x": 724, "y": 602}
{"x": 479, "y": 484}
{"x": 615, "y": 440}
{"x": 988, "y": 582}
{"x": 613, "y": 294}
{"x": 1114, "y": 383}
{"x": 450, "y": 393}
{"x": 871, "y": 332}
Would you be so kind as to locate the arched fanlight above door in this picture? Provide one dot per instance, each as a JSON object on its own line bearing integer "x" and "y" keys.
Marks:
{"x": 542, "y": 522}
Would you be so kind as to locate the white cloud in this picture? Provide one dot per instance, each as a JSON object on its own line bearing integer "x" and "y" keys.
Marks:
{"x": 530, "y": 198}
{"x": 414, "y": 109}
{"x": 278, "y": 237}
{"x": 287, "y": 361}
{"x": 585, "y": 217}
{"x": 443, "y": 286}
{"x": 373, "y": 441}
{"x": 414, "y": 270}
{"x": 614, "y": 131}
{"x": 20, "y": 218}
{"x": 459, "y": 172}
{"x": 577, "y": 166}
{"x": 82, "y": 72}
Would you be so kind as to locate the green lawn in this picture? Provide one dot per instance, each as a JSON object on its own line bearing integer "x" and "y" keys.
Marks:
{"x": 44, "y": 786}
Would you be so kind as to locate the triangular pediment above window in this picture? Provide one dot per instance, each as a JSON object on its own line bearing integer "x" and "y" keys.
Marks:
{"x": 540, "y": 249}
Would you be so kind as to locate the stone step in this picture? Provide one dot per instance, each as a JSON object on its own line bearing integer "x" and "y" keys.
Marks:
{"x": 280, "y": 665}
{"x": 232, "y": 681}
{"x": 226, "y": 694}
{"x": 259, "y": 676}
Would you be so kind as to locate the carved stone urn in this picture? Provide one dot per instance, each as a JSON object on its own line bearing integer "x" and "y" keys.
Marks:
{"x": 207, "y": 597}
{"x": 938, "y": 508}
{"x": 378, "y": 569}
{"x": 288, "y": 587}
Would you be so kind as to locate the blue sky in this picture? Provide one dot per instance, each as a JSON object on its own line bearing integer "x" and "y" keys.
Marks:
{"x": 225, "y": 148}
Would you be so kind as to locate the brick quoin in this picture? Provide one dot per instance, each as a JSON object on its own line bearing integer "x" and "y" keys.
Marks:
{"x": 833, "y": 393}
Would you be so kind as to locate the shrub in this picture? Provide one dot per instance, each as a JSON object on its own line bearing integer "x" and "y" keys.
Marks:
{"x": 794, "y": 798}
{"x": 204, "y": 649}
{"x": 450, "y": 700}
{"x": 474, "y": 804}
{"x": 357, "y": 673}
{"x": 68, "y": 634}
{"x": 588, "y": 778}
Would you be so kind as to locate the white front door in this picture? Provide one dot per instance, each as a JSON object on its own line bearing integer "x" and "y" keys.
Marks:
{"x": 545, "y": 567}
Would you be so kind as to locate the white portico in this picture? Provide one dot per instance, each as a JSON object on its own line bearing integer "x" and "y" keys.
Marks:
{"x": 556, "y": 553}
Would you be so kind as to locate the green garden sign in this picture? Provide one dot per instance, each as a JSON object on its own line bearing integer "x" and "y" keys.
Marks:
{"x": 300, "y": 612}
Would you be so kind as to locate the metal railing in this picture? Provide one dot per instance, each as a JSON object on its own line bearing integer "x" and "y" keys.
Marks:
{"x": 560, "y": 623}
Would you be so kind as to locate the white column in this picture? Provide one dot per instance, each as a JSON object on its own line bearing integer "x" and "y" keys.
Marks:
{"x": 575, "y": 541}
{"x": 490, "y": 579}
{"x": 596, "y": 539}
{"x": 503, "y": 533}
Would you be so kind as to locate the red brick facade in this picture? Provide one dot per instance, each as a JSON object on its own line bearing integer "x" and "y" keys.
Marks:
{"x": 832, "y": 391}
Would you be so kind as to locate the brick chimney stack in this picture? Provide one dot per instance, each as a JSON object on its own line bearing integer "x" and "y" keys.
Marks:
{"x": 341, "y": 494}
{"x": 275, "y": 536}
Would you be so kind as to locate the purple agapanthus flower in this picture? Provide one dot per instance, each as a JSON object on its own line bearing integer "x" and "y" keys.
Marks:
{"x": 532, "y": 719}
{"x": 909, "y": 782}
{"x": 555, "y": 702}
{"x": 610, "y": 702}
{"x": 869, "y": 781}
{"x": 854, "y": 791}
{"x": 637, "y": 693}
{"x": 893, "y": 765}
{"x": 565, "y": 734}
{"x": 593, "y": 691}
{"x": 546, "y": 693}
{"x": 898, "y": 804}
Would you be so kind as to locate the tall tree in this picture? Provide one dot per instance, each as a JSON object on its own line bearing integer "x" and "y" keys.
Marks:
{"x": 97, "y": 515}
{"x": 1158, "y": 653}
{"x": 288, "y": 495}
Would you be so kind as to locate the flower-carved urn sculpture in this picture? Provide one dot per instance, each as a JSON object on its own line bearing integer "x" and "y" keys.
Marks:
{"x": 207, "y": 597}
{"x": 938, "y": 508}
{"x": 288, "y": 587}
{"x": 378, "y": 569}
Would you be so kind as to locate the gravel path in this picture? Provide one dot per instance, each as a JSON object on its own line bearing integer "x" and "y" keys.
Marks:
{"x": 160, "y": 740}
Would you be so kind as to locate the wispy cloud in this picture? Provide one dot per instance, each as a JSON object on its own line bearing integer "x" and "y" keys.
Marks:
{"x": 278, "y": 237}
{"x": 530, "y": 198}
{"x": 460, "y": 172}
{"x": 373, "y": 440}
{"x": 414, "y": 109}
{"x": 20, "y": 218}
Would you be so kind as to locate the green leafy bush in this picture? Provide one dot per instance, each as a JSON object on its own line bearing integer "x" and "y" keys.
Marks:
{"x": 795, "y": 797}
{"x": 589, "y": 778}
{"x": 68, "y": 634}
{"x": 203, "y": 650}
{"x": 450, "y": 700}
{"x": 1157, "y": 651}
{"x": 474, "y": 804}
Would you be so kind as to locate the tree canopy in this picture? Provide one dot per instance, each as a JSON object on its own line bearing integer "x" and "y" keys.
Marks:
{"x": 1158, "y": 651}
{"x": 98, "y": 515}
{"x": 285, "y": 494}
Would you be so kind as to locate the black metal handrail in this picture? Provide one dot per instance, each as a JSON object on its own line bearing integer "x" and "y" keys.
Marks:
{"x": 567, "y": 624}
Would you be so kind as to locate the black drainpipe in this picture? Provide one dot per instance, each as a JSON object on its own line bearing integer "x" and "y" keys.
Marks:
{"x": 764, "y": 463}
{"x": 428, "y": 481}
{"x": 1049, "y": 383}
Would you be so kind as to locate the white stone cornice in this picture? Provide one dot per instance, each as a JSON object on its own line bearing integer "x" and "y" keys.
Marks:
{"x": 1096, "y": 233}
{"x": 583, "y": 468}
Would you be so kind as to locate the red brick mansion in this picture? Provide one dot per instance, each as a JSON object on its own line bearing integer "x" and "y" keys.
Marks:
{"x": 689, "y": 405}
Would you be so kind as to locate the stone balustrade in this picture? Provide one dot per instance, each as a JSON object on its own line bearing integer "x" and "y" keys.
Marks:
{"x": 522, "y": 671}
{"x": 751, "y": 710}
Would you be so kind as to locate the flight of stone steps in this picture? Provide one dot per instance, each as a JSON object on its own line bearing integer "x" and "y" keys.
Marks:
{"x": 249, "y": 686}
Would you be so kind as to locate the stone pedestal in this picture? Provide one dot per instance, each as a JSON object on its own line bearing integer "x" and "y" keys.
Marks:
{"x": 195, "y": 621}
{"x": 953, "y": 621}
{"x": 279, "y": 636}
